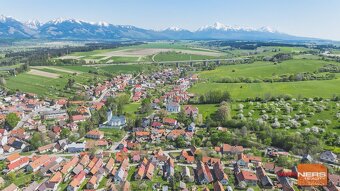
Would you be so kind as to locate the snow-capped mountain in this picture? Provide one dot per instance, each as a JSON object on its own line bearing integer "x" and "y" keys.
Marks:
{"x": 74, "y": 29}
{"x": 33, "y": 24}
{"x": 11, "y": 28}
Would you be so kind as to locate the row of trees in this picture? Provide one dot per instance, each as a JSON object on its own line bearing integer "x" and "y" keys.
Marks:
{"x": 214, "y": 97}
{"x": 306, "y": 76}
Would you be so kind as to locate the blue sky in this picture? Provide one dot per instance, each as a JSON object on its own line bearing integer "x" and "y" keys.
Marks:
{"x": 312, "y": 18}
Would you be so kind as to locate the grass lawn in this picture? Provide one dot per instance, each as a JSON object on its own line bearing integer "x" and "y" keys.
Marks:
{"x": 114, "y": 134}
{"x": 132, "y": 107}
{"x": 206, "y": 109}
{"x": 102, "y": 183}
{"x": 324, "y": 88}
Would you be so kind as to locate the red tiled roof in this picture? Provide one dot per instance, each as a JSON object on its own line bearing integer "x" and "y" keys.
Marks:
{"x": 16, "y": 164}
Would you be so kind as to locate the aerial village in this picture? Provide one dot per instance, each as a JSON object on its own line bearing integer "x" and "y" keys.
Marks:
{"x": 160, "y": 152}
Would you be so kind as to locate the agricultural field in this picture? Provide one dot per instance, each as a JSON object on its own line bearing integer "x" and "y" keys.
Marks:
{"x": 47, "y": 81}
{"x": 114, "y": 69}
{"x": 159, "y": 51}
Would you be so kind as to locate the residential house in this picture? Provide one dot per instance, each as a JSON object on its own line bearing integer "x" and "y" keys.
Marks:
{"x": 76, "y": 147}
{"x": 186, "y": 172}
{"x": 95, "y": 134}
{"x": 11, "y": 187}
{"x": 76, "y": 181}
{"x": 210, "y": 160}
{"x": 69, "y": 165}
{"x": 56, "y": 179}
{"x": 191, "y": 111}
{"x": 13, "y": 157}
{"x": 328, "y": 156}
{"x": 145, "y": 170}
{"x": 109, "y": 165}
{"x": 36, "y": 164}
{"x": 156, "y": 124}
{"x": 219, "y": 173}
{"x": 121, "y": 174}
{"x": 269, "y": 166}
{"x": 174, "y": 134}
{"x": 114, "y": 121}
{"x": 228, "y": 149}
{"x": 187, "y": 156}
{"x": 264, "y": 179}
{"x": 55, "y": 114}
{"x": 218, "y": 186}
{"x": 32, "y": 187}
{"x": 78, "y": 118}
{"x": 173, "y": 107}
{"x": 246, "y": 160}
{"x": 204, "y": 175}
{"x": 191, "y": 127}
{"x": 169, "y": 168}
{"x": 47, "y": 148}
{"x": 92, "y": 183}
{"x": 170, "y": 121}
{"x": 248, "y": 177}
{"x": 306, "y": 159}
{"x": 18, "y": 164}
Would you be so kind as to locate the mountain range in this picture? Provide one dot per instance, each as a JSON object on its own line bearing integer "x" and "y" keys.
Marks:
{"x": 72, "y": 29}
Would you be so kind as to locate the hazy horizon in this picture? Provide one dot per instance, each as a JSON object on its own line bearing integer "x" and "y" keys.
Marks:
{"x": 307, "y": 18}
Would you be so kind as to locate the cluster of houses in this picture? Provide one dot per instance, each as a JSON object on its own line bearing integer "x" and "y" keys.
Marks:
{"x": 109, "y": 87}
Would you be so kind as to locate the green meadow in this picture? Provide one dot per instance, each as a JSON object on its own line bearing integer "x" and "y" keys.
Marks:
{"x": 324, "y": 88}
{"x": 176, "y": 56}
{"x": 263, "y": 69}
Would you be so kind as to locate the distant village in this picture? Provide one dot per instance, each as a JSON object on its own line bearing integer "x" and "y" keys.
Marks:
{"x": 148, "y": 155}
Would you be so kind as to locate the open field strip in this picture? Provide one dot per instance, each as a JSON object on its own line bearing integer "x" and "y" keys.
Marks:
{"x": 263, "y": 69}
{"x": 322, "y": 88}
{"x": 42, "y": 73}
{"x": 56, "y": 69}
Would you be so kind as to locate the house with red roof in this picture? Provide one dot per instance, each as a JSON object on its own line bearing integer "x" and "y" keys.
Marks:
{"x": 13, "y": 157}
{"x": 78, "y": 118}
{"x": 36, "y": 164}
{"x": 248, "y": 177}
{"x": 95, "y": 134}
{"x": 228, "y": 149}
{"x": 18, "y": 164}
{"x": 191, "y": 110}
{"x": 210, "y": 160}
{"x": 245, "y": 160}
{"x": 170, "y": 121}
{"x": 204, "y": 175}
{"x": 145, "y": 170}
{"x": 187, "y": 156}
{"x": 219, "y": 173}
{"x": 218, "y": 186}
{"x": 76, "y": 181}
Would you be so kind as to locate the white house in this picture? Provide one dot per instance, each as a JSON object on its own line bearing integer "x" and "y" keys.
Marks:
{"x": 173, "y": 107}
{"x": 192, "y": 127}
{"x": 76, "y": 147}
{"x": 328, "y": 156}
{"x": 3, "y": 140}
{"x": 114, "y": 121}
